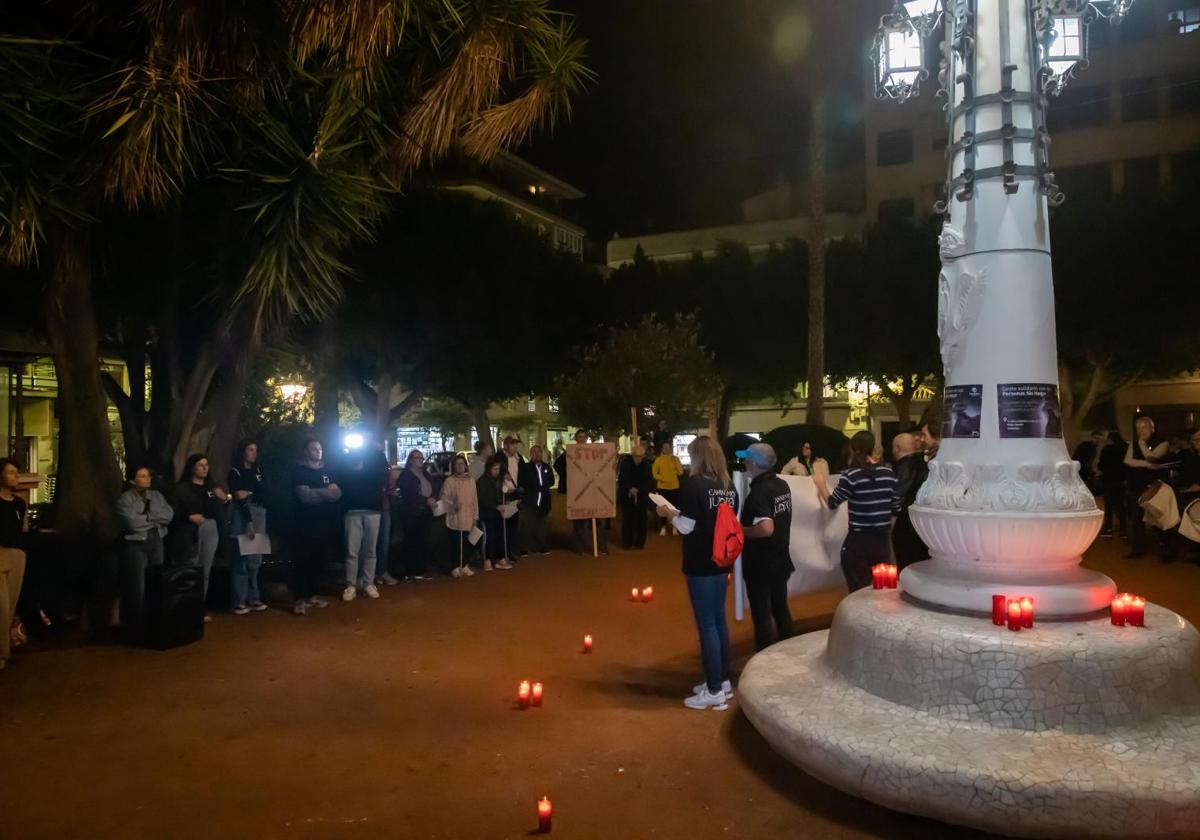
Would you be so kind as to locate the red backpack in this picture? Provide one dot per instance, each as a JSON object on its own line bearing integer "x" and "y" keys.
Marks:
{"x": 727, "y": 537}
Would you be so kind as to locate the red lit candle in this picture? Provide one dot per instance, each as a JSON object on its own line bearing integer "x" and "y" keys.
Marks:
{"x": 999, "y": 609}
{"x": 1120, "y": 610}
{"x": 523, "y": 693}
{"x": 536, "y": 694}
{"x": 587, "y": 643}
{"x": 1136, "y": 611}
{"x": 877, "y": 578}
{"x": 545, "y": 814}
{"x": 1014, "y": 615}
{"x": 1026, "y": 612}
{"x": 892, "y": 573}
{"x": 648, "y": 594}
{"x": 635, "y": 595}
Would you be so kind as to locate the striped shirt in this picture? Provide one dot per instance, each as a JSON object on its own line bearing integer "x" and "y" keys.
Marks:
{"x": 869, "y": 497}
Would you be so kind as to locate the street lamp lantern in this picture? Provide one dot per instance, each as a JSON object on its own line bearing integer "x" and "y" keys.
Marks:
{"x": 924, "y": 14}
{"x": 899, "y": 53}
{"x": 1064, "y": 48}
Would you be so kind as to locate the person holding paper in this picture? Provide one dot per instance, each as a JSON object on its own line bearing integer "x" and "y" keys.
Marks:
{"x": 461, "y": 503}
{"x": 416, "y": 515}
{"x": 703, "y": 492}
{"x": 766, "y": 558}
{"x": 490, "y": 490}
{"x": 248, "y": 519}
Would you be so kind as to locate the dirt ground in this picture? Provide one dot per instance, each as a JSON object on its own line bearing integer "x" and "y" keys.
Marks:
{"x": 396, "y": 718}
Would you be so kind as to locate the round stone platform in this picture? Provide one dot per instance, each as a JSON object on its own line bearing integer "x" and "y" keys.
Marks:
{"x": 1076, "y": 729}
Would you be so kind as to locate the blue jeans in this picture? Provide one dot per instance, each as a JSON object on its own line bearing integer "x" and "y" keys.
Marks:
{"x": 243, "y": 568}
{"x": 707, "y": 593}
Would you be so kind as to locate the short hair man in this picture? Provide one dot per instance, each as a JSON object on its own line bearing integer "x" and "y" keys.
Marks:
{"x": 930, "y": 437}
{"x": 911, "y": 472}
{"x": 766, "y": 559}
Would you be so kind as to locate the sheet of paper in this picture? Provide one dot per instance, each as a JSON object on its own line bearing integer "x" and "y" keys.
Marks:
{"x": 509, "y": 510}
{"x": 441, "y": 508}
{"x": 660, "y": 500}
{"x": 474, "y": 536}
{"x": 260, "y": 543}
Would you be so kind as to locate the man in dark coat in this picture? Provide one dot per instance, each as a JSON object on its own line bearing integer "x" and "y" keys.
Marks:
{"x": 634, "y": 483}
{"x": 536, "y": 480}
{"x": 911, "y": 472}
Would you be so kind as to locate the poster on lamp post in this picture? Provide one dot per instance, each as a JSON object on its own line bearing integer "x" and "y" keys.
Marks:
{"x": 591, "y": 480}
{"x": 962, "y": 407}
{"x": 1028, "y": 410}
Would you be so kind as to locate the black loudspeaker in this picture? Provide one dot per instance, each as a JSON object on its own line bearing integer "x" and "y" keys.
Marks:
{"x": 174, "y": 606}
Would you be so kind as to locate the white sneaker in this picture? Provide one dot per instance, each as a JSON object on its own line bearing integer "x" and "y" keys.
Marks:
{"x": 372, "y": 590}
{"x": 662, "y": 532}
{"x": 467, "y": 571}
{"x": 487, "y": 565}
{"x": 319, "y": 603}
{"x": 300, "y": 608}
{"x": 726, "y": 689}
{"x": 348, "y": 594}
{"x": 505, "y": 564}
{"x": 706, "y": 700}
{"x": 456, "y": 572}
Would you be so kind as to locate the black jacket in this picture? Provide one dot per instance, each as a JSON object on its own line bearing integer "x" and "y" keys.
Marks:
{"x": 1112, "y": 464}
{"x": 536, "y": 480}
{"x": 631, "y": 475}
{"x": 412, "y": 503}
{"x": 911, "y": 472}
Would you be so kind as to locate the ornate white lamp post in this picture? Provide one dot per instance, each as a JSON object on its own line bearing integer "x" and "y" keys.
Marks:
{"x": 1004, "y": 504}
{"x": 916, "y": 700}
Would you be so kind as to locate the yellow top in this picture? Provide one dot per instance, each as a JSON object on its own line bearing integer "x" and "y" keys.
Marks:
{"x": 666, "y": 471}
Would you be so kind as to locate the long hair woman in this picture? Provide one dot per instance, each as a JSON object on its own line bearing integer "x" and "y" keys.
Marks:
{"x": 490, "y": 491}
{"x": 701, "y": 494}
{"x": 868, "y": 488}
{"x": 248, "y": 518}
{"x": 198, "y": 503}
{"x": 416, "y": 515}
{"x": 462, "y": 512}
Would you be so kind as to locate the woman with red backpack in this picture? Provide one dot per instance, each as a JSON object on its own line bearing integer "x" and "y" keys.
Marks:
{"x": 700, "y": 519}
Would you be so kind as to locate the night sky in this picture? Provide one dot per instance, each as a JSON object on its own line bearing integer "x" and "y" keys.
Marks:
{"x": 697, "y": 105}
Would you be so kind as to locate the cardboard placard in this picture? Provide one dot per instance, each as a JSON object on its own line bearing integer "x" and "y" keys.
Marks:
{"x": 591, "y": 480}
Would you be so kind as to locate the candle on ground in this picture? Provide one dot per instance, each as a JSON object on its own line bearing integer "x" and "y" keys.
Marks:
{"x": 536, "y": 694}
{"x": 1119, "y": 607}
{"x": 587, "y": 643}
{"x": 635, "y": 595}
{"x": 648, "y": 594}
{"x": 523, "y": 693}
{"x": 999, "y": 609}
{"x": 1026, "y": 612}
{"x": 545, "y": 810}
{"x": 892, "y": 573}
{"x": 1136, "y": 611}
{"x": 1014, "y": 615}
{"x": 877, "y": 576}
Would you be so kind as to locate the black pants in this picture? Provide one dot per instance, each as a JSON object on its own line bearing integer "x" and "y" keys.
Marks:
{"x": 907, "y": 544}
{"x": 493, "y": 528}
{"x": 310, "y": 554}
{"x": 861, "y": 551}
{"x": 671, "y": 496}
{"x": 533, "y": 520}
{"x": 1114, "y": 508}
{"x": 1136, "y": 518}
{"x": 766, "y": 589}
{"x": 633, "y": 523}
{"x": 415, "y": 548}
{"x": 511, "y": 529}
{"x": 581, "y": 534}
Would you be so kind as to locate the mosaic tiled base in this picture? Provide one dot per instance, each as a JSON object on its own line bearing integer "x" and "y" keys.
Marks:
{"x": 1016, "y": 733}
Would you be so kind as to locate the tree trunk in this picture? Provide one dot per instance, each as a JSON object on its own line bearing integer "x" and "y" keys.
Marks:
{"x": 724, "y": 410}
{"x": 88, "y": 475}
{"x": 381, "y": 419}
{"x": 185, "y": 412}
{"x": 225, "y": 407}
{"x": 817, "y": 197}
{"x": 326, "y": 396}
{"x": 131, "y": 420}
{"x": 483, "y": 425}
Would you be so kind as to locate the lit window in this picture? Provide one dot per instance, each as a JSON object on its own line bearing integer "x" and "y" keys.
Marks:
{"x": 552, "y": 404}
{"x": 1187, "y": 20}
{"x": 531, "y": 405}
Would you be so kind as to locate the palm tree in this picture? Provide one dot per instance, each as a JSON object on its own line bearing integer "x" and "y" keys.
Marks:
{"x": 310, "y": 112}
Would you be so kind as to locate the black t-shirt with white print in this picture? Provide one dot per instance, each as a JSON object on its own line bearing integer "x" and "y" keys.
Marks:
{"x": 699, "y": 499}
{"x": 769, "y": 498}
